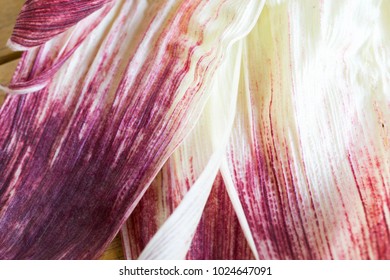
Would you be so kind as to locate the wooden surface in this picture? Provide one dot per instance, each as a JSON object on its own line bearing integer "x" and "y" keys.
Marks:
{"x": 8, "y": 62}
{"x": 8, "y": 12}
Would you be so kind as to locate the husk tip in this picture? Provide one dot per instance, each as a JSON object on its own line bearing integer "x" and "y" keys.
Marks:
{"x": 15, "y": 46}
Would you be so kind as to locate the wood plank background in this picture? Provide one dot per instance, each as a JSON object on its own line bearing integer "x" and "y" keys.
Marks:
{"x": 8, "y": 62}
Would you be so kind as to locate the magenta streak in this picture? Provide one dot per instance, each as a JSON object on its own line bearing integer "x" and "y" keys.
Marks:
{"x": 263, "y": 228}
{"x": 349, "y": 224}
{"x": 244, "y": 193}
{"x": 294, "y": 188}
{"x": 360, "y": 193}
{"x": 219, "y": 235}
{"x": 375, "y": 211}
{"x": 274, "y": 172}
{"x": 376, "y": 198}
{"x": 44, "y": 77}
{"x": 51, "y": 18}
